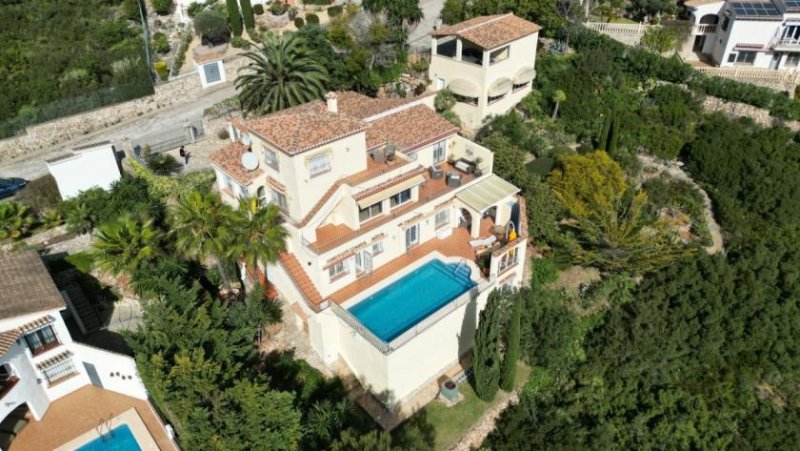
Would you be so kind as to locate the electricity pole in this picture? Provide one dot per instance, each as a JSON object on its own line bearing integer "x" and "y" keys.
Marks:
{"x": 146, "y": 37}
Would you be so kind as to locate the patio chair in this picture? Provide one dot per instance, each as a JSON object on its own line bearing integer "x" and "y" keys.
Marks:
{"x": 483, "y": 242}
{"x": 453, "y": 179}
{"x": 436, "y": 172}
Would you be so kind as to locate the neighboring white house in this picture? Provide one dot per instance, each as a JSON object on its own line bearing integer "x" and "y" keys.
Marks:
{"x": 91, "y": 166}
{"x": 39, "y": 361}
{"x": 372, "y": 191}
{"x": 487, "y": 61}
{"x": 763, "y": 34}
{"x": 208, "y": 61}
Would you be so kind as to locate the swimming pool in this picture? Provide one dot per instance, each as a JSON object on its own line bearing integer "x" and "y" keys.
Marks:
{"x": 398, "y": 307}
{"x": 118, "y": 439}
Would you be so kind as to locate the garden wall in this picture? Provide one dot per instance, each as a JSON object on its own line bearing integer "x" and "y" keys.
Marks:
{"x": 59, "y": 131}
{"x": 760, "y": 116}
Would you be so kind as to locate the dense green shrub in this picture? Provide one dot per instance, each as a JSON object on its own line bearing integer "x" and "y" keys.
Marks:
{"x": 486, "y": 359}
{"x": 40, "y": 194}
{"x": 312, "y": 19}
{"x": 162, "y": 7}
{"x": 194, "y": 9}
{"x": 180, "y": 55}
{"x": 299, "y": 22}
{"x": 258, "y": 9}
{"x": 335, "y": 11}
{"x": 293, "y": 12}
{"x": 240, "y": 42}
{"x": 318, "y": 2}
{"x": 277, "y": 7}
{"x": 212, "y": 27}
{"x": 163, "y": 164}
{"x": 160, "y": 42}
{"x": 161, "y": 69}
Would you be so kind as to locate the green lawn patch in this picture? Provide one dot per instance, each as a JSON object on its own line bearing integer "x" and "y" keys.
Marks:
{"x": 450, "y": 423}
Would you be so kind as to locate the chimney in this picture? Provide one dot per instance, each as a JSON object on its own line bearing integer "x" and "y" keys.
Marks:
{"x": 333, "y": 105}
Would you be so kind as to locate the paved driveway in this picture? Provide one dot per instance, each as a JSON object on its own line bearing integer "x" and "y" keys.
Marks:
{"x": 418, "y": 38}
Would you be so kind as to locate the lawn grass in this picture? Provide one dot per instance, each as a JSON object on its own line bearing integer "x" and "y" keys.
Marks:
{"x": 541, "y": 166}
{"x": 450, "y": 423}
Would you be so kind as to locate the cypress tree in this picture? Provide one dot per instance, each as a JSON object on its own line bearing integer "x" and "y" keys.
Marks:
{"x": 486, "y": 351}
{"x": 613, "y": 137}
{"x": 247, "y": 15}
{"x": 512, "y": 346}
{"x": 602, "y": 138}
{"x": 234, "y": 18}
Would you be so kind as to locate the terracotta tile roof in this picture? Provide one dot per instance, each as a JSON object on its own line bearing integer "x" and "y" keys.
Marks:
{"x": 204, "y": 54}
{"x": 362, "y": 107}
{"x": 53, "y": 360}
{"x": 301, "y": 279}
{"x": 409, "y": 128}
{"x": 229, "y": 159}
{"x": 490, "y": 31}
{"x": 304, "y": 127}
{"x": 26, "y": 285}
{"x": 8, "y": 339}
{"x": 392, "y": 181}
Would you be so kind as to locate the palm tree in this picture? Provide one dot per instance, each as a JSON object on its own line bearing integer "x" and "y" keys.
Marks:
{"x": 558, "y": 97}
{"x": 126, "y": 244}
{"x": 15, "y": 220}
{"x": 204, "y": 226}
{"x": 260, "y": 233}
{"x": 283, "y": 73}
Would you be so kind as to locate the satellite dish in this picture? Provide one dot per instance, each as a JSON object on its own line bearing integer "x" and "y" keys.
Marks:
{"x": 245, "y": 139}
{"x": 250, "y": 161}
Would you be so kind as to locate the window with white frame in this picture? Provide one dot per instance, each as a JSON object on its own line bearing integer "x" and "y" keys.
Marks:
{"x": 230, "y": 184}
{"x": 280, "y": 199}
{"x": 370, "y": 211}
{"x": 59, "y": 370}
{"x": 519, "y": 86}
{"x": 261, "y": 193}
{"x": 443, "y": 218}
{"x": 377, "y": 247}
{"x": 792, "y": 60}
{"x": 493, "y": 99}
{"x": 319, "y": 164}
{"x": 337, "y": 270}
{"x": 438, "y": 151}
{"x": 508, "y": 260}
{"x": 744, "y": 58}
{"x": 400, "y": 198}
{"x": 271, "y": 158}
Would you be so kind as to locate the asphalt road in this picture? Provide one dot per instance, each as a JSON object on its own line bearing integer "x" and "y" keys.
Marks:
{"x": 151, "y": 126}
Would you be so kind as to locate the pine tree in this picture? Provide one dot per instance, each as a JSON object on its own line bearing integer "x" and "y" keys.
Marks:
{"x": 486, "y": 350}
{"x": 512, "y": 346}
{"x": 234, "y": 17}
{"x": 247, "y": 15}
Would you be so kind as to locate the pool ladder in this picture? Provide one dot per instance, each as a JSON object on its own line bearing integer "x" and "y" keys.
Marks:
{"x": 105, "y": 424}
{"x": 461, "y": 263}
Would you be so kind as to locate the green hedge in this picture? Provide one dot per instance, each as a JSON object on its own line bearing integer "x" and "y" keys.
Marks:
{"x": 648, "y": 65}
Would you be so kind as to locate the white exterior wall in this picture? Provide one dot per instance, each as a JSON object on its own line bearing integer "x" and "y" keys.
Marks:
{"x": 91, "y": 168}
{"x": 744, "y": 31}
{"x": 117, "y": 372}
{"x": 522, "y": 53}
{"x": 28, "y": 389}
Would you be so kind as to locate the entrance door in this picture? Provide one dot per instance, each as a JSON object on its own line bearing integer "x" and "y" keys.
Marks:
{"x": 412, "y": 236}
{"x": 367, "y": 261}
{"x": 91, "y": 371}
{"x": 776, "y": 60}
{"x": 699, "y": 42}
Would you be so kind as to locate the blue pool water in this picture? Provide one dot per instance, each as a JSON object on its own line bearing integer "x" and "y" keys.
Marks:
{"x": 118, "y": 439}
{"x": 398, "y": 307}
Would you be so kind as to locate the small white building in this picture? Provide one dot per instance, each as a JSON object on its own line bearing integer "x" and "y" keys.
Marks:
{"x": 208, "y": 61}
{"x": 762, "y": 34}
{"x": 487, "y": 62}
{"x": 39, "y": 361}
{"x": 86, "y": 167}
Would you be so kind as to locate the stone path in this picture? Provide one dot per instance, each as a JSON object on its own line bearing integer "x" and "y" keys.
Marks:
{"x": 480, "y": 430}
{"x": 676, "y": 172}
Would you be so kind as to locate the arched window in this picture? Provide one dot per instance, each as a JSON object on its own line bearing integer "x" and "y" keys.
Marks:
{"x": 262, "y": 196}
{"x": 709, "y": 19}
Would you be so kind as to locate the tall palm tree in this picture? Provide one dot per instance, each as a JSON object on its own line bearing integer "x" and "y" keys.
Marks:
{"x": 261, "y": 236}
{"x": 203, "y": 227}
{"x": 15, "y": 220}
{"x": 283, "y": 73}
{"x": 125, "y": 244}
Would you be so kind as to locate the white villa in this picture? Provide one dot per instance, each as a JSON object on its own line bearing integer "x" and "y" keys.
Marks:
{"x": 42, "y": 370}
{"x": 487, "y": 62}
{"x": 762, "y": 34}
{"x": 373, "y": 191}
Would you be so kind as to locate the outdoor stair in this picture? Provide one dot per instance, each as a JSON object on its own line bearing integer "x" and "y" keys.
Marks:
{"x": 300, "y": 278}
{"x": 86, "y": 312}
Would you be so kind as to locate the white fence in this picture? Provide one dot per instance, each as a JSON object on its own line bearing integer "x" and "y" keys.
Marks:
{"x": 753, "y": 75}
{"x": 626, "y": 33}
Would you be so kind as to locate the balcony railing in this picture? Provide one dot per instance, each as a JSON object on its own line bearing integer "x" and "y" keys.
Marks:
{"x": 786, "y": 42}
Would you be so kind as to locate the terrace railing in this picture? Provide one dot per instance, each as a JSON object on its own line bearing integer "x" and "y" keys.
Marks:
{"x": 405, "y": 337}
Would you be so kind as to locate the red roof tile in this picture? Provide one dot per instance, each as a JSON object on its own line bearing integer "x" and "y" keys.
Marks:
{"x": 409, "y": 128}
{"x": 490, "y": 31}
{"x": 229, "y": 159}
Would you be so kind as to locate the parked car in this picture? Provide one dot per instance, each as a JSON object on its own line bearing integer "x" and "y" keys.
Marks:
{"x": 9, "y": 187}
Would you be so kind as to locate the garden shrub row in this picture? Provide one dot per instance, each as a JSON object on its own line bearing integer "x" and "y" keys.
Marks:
{"x": 645, "y": 64}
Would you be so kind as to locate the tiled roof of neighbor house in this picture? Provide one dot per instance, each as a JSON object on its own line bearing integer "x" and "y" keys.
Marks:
{"x": 409, "y": 128}
{"x": 26, "y": 285}
{"x": 490, "y": 31}
{"x": 304, "y": 127}
{"x": 229, "y": 159}
{"x": 362, "y": 107}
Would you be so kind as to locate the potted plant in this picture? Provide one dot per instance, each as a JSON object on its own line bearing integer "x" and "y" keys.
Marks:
{"x": 478, "y": 171}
